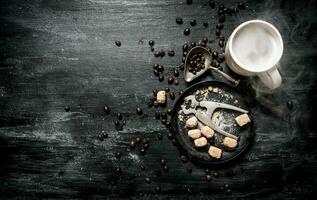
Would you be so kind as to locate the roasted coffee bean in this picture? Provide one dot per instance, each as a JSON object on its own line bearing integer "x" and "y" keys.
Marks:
{"x": 207, "y": 171}
{"x": 118, "y": 155}
{"x": 174, "y": 142}
{"x": 214, "y": 63}
{"x": 163, "y": 115}
{"x": 169, "y": 111}
{"x": 152, "y": 49}
{"x": 221, "y": 43}
{"x": 189, "y": 2}
{"x": 104, "y": 134}
{"x": 200, "y": 43}
{"x": 205, "y": 24}
{"x": 150, "y": 104}
{"x": 157, "y": 53}
{"x": 157, "y": 115}
{"x": 118, "y": 43}
{"x": 181, "y": 67}
{"x": 160, "y": 68}
{"x": 189, "y": 170}
{"x": 154, "y": 92}
{"x": 193, "y": 44}
{"x": 119, "y": 116}
{"x": 168, "y": 123}
{"x": 146, "y": 145}
{"x": 107, "y": 110}
{"x": 218, "y": 32}
{"x": 241, "y": 6}
{"x": 222, "y": 37}
{"x": 221, "y": 12}
{"x": 139, "y": 111}
{"x": 176, "y": 82}
{"x": 225, "y": 10}
{"x": 222, "y": 18}
{"x": 205, "y": 39}
{"x": 172, "y": 95}
{"x": 156, "y": 72}
{"x": 161, "y": 78}
{"x": 142, "y": 151}
{"x": 230, "y": 11}
{"x": 163, "y": 162}
{"x": 214, "y": 54}
{"x": 221, "y": 57}
{"x": 157, "y": 172}
{"x": 142, "y": 167}
{"x": 193, "y": 22}
{"x": 170, "y": 80}
{"x": 176, "y": 72}
{"x": 179, "y": 20}
{"x": 132, "y": 143}
{"x": 221, "y": 7}
{"x": 185, "y": 47}
{"x": 100, "y": 137}
{"x": 157, "y": 189}
{"x": 147, "y": 180}
{"x": 228, "y": 191}
{"x": 215, "y": 174}
{"x": 163, "y": 121}
{"x": 180, "y": 92}
{"x": 118, "y": 170}
{"x": 208, "y": 177}
{"x": 155, "y": 104}
{"x": 67, "y": 108}
{"x": 167, "y": 89}
{"x": 183, "y": 158}
{"x": 290, "y": 104}
{"x": 159, "y": 136}
{"x": 155, "y": 66}
{"x": 185, "y": 53}
{"x": 212, "y": 4}
{"x": 183, "y": 60}
{"x": 162, "y": 53}
{"x": 138, "y": 140}
{"x": 169, "y": 135}
{"x": 117, "y": 123}
{"x": 171, "y": 53}
{"x": 151, "y": 42}
{"x": 165, "y": 168}
{"x": 220, "y": 68}
{"x": 219, "y": 26}
{"x": 186, "y": 31}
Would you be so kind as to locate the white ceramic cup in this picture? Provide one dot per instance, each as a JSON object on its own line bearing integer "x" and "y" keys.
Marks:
{"x": 238, "y": 54}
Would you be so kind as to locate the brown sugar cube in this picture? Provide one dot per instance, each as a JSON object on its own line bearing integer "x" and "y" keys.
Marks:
{"x": 194, "y": 133}
{"x": 229, "y": 142}
{"x": 214, "y": 152}
{"x": 242, "y": 119}
{"x": 191, "y": 122}
{"x": 207, "y": 132}
{"x": 200, "y": 142}
{"x": 161, "y": 97}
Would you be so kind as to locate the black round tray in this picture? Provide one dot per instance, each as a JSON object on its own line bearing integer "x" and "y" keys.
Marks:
{"x": 245, "y": 133}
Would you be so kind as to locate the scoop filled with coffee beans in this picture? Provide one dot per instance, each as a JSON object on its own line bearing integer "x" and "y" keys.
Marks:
{"x": 197, "y": 61}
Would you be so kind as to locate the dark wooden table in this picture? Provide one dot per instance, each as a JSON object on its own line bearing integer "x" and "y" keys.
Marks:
{"x": 58, "y": 53}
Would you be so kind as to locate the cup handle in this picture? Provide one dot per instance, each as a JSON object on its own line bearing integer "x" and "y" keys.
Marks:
{"x": 271, "y": 79}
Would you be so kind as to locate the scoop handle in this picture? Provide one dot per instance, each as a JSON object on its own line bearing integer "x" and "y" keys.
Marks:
{"x": 229, "y": 78}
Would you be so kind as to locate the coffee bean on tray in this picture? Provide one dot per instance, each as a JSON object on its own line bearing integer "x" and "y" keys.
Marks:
{"x": 179, "y": 20}
{"x": 118, "y": 43}
{"x": 186, "y": 31}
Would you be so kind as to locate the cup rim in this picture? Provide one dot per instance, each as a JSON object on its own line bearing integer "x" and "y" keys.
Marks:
{"x": 280, "y": 53}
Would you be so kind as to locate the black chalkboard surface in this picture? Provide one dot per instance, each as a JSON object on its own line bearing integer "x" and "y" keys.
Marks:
{"x": 58, "y": 53}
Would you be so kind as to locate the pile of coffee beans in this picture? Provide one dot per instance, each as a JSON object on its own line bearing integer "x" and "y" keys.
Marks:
{"x": 196, "y": 63}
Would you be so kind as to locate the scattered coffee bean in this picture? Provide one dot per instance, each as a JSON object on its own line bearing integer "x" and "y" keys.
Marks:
{"x": 214, "y": 63}
{"x": 165, "y": 168}
{"x": 155, "y": 66}
{"x": 157, "y": 115}
{"x": 181, "y": 67}
{"x": 164, "y": 115}
{"x": 151, "y": 42}
{"x": 176, "y": 72}
{"x": 205, "y": 39}
{"x": 193, "y": 44}
{"x": 118, "y": 170}
{"x": 205, "y": 24}
{"x": 183, "y": 158}
{"x": 156, "y": 72}
{"x": 142, "y": 151}
{"x": 176, "y": 82}
{"x": 117, "y": 123}
{"x": 163, "y": 162}
{"x": 157, "y": 53}
{"x": 290, "y": 104}
{"x": 168, "y": 123}
{"x": 215, "y": 174}
{"x": 156, "y": 104}
{"x": 228, "y": 191}
{"x": 159, "y": 136}
{"x": 100, "y": 137}
{"x": 163, "y": 121}
{"x": 169, "y": 135}
{"x": 208, "y": 177}
{"x": 147, "y": 180}
{"x": 118, "y": 155}
{"x": 152, "y": 49}
{"x": 160, "y": 68}
{"x": 187, "y": 31}
{"x": 221, "y": 12}
{"x": 162, "y": 53}
{"x": 215, "y": 55}
{"x": 221, "y": 43}
{"x": 132, "y": 143}
{"x": 67, "y": 108}
{"x": 104, "y": 134}
{"x": 169, "y": 111}
{"x": 154, "y": 92}
{"x": 189, "y": 2}
{"x": 107, "y": 110}
{"x": 189, "y": 170}
{"x": 221, "y": 57}
{"x": 221, "y": 7}
{"x": 218, "y": 32}
{"x": 185, "y": 47}
{"x": 193, "y": 22}
{"x": 142, "y": 167}
{"x": 118, "y": 43}
{"x": 139, "y": 111}
{"x": 174, "y": 142}
{"x": 209, "y": 49}
{"x": 185, "y": 53}
{"x": 161, "y": 78}
{"x": 170, "y": 80}
{"x": 179, "y": 20}
{"x": 219, "y": 26}
{"x": 180, "y": 92}
{"x": 146, "y": 145}
{"x": 241, "y": 6}
{"x": 207, "y": 171}
{"x": 172, "y": 95}
{"x": 171, "y": 52}
{"x": 212, "y": 4}
{"x": 157, "y": 189}
{"x": 222, "y": 18}
{"x": 138, "y": 140}
{"x": 183, "y": 60}
{"x": 119, "y": 116}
